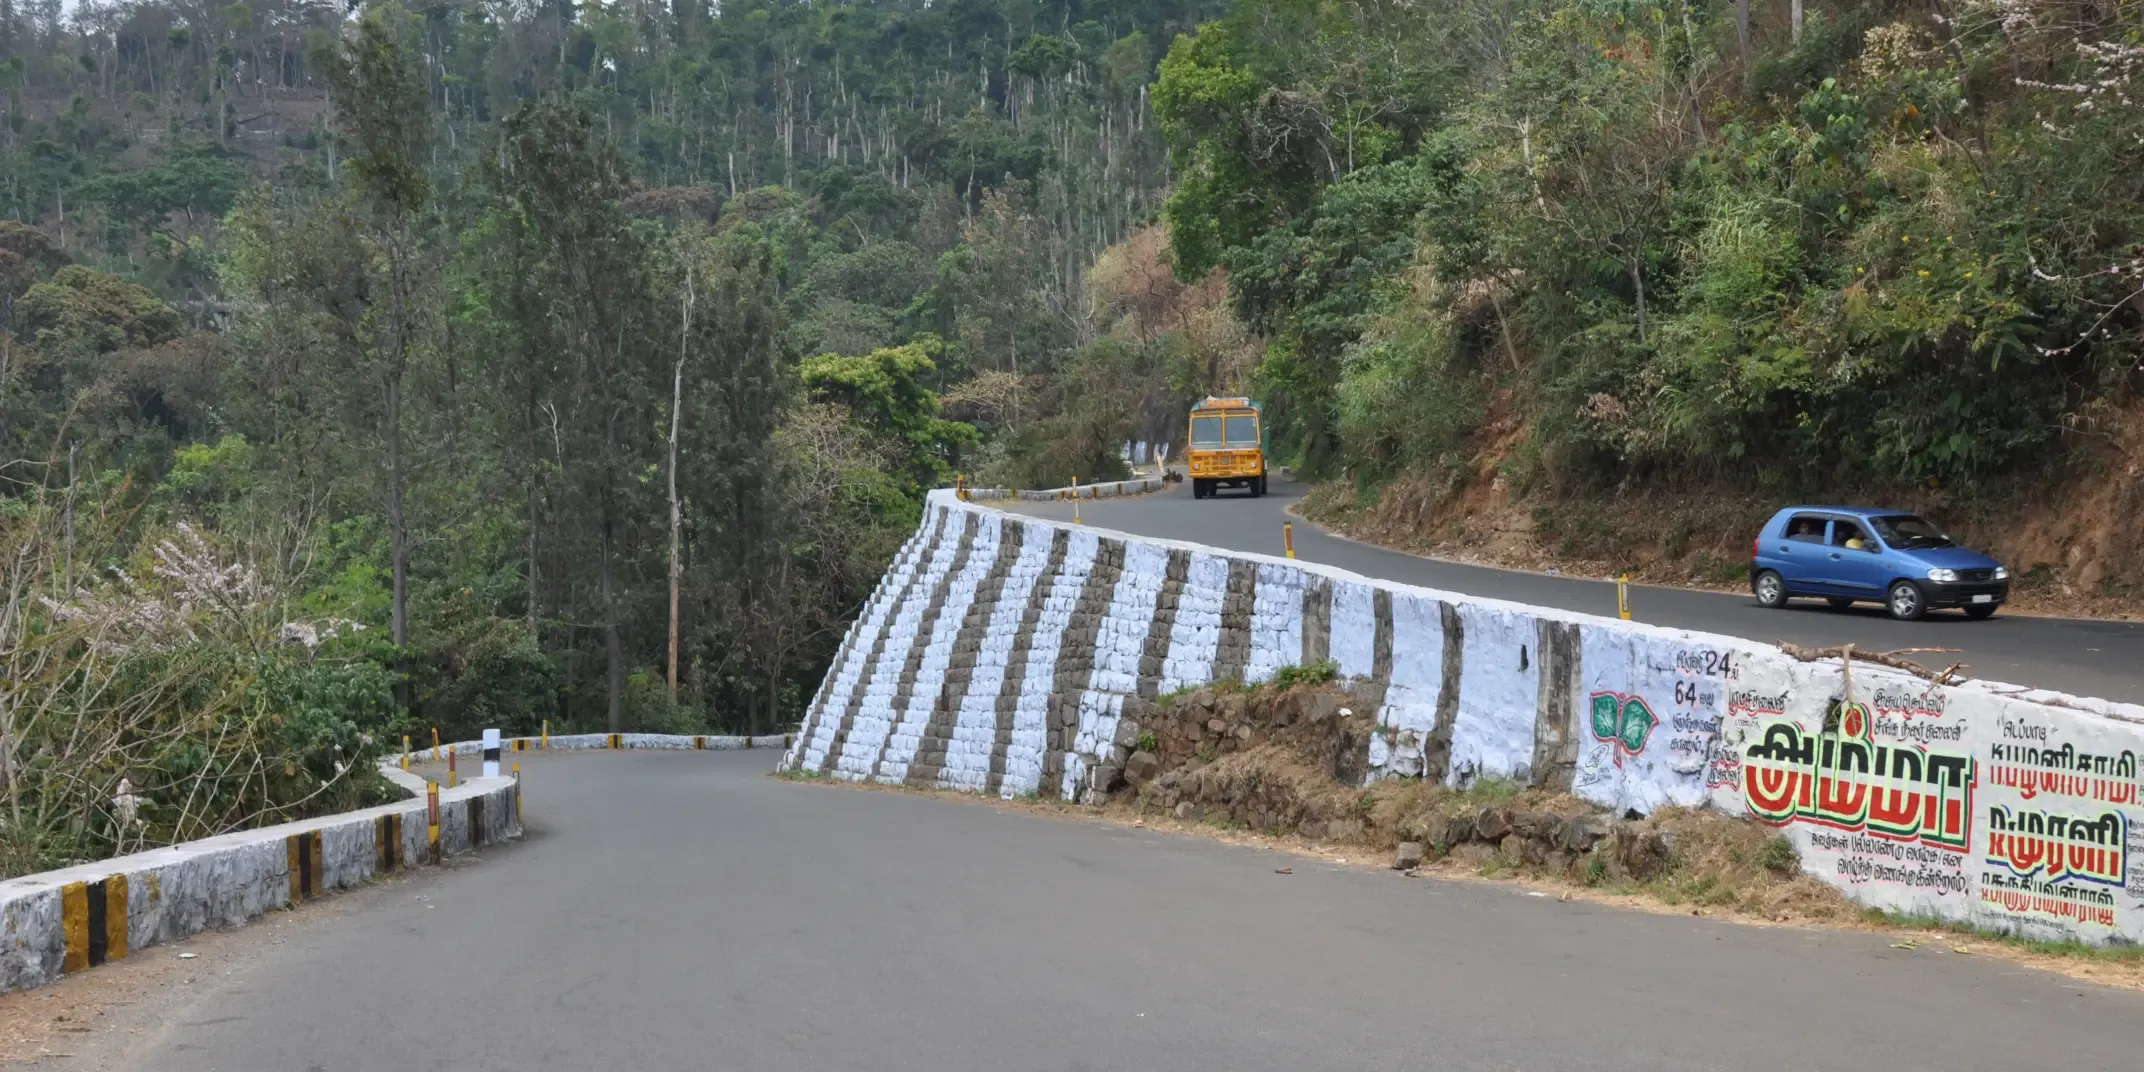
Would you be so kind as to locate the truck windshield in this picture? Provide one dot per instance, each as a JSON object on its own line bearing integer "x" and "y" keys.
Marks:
{"x": 1909, "y": 533}
{"x": 1243, "y": 431}
{"x": 1205, "y": 431}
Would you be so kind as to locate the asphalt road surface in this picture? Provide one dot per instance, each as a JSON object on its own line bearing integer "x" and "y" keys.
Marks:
{"x": 683, "y": 911}
{"x": 2088, "y": 658}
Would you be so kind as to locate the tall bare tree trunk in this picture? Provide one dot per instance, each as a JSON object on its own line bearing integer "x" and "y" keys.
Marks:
{"x": 1742, "y": 32}
{"x": 677, "y": 515}
{"x": 397, "y": 535}
{"x": 1794, "y": 19}
{"x": 1637, "y": 282}
{"x": 613, "y": 649}
{"x": 535, "y": 475}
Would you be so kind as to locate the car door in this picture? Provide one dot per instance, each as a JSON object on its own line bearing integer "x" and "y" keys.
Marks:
{"x": 1855, "y": 571}
{"x": 1799, "y": 549}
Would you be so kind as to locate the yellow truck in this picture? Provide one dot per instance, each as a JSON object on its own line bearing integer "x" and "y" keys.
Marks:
{"x": 1227, "y": 447}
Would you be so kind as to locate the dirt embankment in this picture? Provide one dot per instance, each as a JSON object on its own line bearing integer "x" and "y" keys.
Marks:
{"x": 1288, "y": 763}
{"x": 1283, "y": 766}
{"x": 2075, "y": 542}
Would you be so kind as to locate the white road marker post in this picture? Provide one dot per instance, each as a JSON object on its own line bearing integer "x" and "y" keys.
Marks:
{"x": 491, "y": 753}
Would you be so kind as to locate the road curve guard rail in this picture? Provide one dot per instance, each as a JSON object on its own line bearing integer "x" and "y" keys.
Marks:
{"x": 1012, "y": 655}
{"x": 56, "y": 923}
{"x": 1106, "y": 490}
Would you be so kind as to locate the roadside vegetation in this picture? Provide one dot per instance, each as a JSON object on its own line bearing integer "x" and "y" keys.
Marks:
{"x": 587, "y": 365}
{"x": 1610, "y": 281}
{"x": 370, "y": 369}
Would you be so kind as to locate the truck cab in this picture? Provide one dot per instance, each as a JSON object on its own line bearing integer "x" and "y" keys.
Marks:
{"x": 1227, "y": 447}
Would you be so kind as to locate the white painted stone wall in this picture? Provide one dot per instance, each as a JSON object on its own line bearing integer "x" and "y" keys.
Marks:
{"x": 2017, "y": 810}
{"x": 229, "y": 880}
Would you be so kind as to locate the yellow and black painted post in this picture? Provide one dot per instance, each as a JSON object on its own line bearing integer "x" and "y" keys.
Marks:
{"x": 517, "y": 790}
{"x": 547, "y": 734}
{"x": 615, "y": 741}
{"x": 405, "y": 751}
{"x": 435, "y": 744}
{"x": 1622, "y": 597}
{"x": 1287, "y": 537}
{"x": 302, "y": 852}
{"x": 93, "y": 922}
{"x": 431, "y": 820}
{"x": 453, "y": 777}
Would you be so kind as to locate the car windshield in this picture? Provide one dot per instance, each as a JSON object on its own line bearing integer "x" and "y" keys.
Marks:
{"x": 1907, "y": 532}
{"x": 1205, "y": 431}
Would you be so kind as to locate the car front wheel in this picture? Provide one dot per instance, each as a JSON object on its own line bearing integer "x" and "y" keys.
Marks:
{"x": 1906, "y": 601}
{"x": 1771, "y": 590}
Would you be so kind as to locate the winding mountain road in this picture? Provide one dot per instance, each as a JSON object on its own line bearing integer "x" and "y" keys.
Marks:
{"x": 2082, "y": 657}
{"x": 683, "y": 911}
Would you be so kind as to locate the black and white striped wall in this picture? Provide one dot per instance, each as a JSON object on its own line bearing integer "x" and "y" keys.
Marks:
{"x": 1000, "y": 650}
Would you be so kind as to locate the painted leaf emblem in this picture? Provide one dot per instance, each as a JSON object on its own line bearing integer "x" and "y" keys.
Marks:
{"x": 1607, "y": 716}
{"x": 1638, "y": 723}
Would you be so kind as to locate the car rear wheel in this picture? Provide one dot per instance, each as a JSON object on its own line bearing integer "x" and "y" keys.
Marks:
{"x": 1906, "y": 602}
{"x": 1840, "y": 602}
{"x": 1771, "y": 590}
{"x": 1981, "y": 611}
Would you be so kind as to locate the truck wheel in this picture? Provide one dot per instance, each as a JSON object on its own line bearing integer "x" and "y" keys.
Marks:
{"x": 1199, "y": 490}
{"x": 1258, "y": 489}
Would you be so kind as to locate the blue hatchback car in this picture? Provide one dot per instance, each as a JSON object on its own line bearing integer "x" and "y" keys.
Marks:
{"x": 1855, "y": 554}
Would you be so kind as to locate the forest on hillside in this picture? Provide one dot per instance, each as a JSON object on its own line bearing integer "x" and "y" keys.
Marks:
{"x": 1565, "y": 253}
{"x": 374, "y": 367}
{"x": 468, "y": 364}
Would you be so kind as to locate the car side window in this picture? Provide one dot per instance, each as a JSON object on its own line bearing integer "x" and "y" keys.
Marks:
{"x": 1805, "y": 528}
{"x": 1852, "y": 537}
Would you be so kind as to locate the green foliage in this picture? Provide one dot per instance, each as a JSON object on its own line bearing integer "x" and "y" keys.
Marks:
{"x": 193, "y": 183}
{"x": 1491, "y": 791}
{"x": 1779, "y": 856}
{"x": 1317, "y": 673}
{"x": 649, "y": 709}
{"x": 1596, "y": 868}
{"x": 1866, "y": 266}
{"x": 83, "y": 312}
{"x": 482, "y": 672}
{"x": 209, "y": 479}
{"x": 885, "y": 390}
{"x": 385, "y": 108}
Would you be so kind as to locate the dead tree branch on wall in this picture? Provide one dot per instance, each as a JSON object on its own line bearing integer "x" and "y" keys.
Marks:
{"x": 1894, "y": 659}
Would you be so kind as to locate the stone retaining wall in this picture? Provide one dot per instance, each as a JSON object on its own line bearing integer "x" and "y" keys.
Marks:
{"x": 999, "y": 651}
{"x": 60, "y": 922}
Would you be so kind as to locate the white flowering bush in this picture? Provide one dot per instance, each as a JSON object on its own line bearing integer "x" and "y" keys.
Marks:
{"x": 166, "y": 695}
